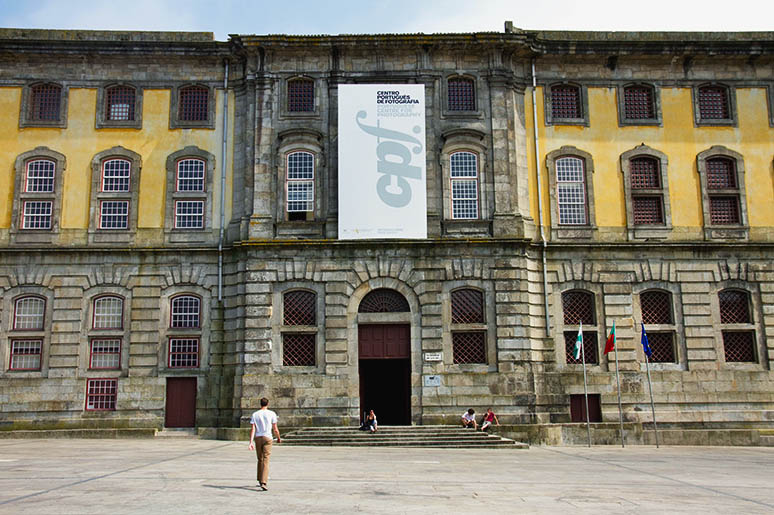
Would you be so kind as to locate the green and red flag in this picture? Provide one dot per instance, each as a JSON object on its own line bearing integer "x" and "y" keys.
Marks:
{"x": 610, "y": 344}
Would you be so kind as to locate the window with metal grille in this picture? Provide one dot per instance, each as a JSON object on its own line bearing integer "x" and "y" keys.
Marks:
{"x": 300, "y": 182}
{"x": 464, "y": 185}
{"x": 469, "y": 347}
{"x": 183, "y": 352}
{"x": 186, "y": 311}
{"x": 734, "y": 307}
{"x": 589, "y": 348}
{"x": 724, "y": 210}
{"x": 578, "y": 307}
{"x": 101, "y": 394}
{"x": 383, "y": 300}
{"x": 714, "y": 103}
{"x": 639, "y": 103}
{"x": 105, "y": 354}
{"x": 566, "y": 102}
{"x": 662, "y": 347}
{"x": 462, "y": 95}
{"x": 656, "y": 307}
{"x": 298, "y": 350}
{"x": 299, "y": 307}
{"x": 189, "y": 214}
{"x": 467, "y": 306}
{"x": 114, "y": 214}
{"x": 25, "y": 354}
{"x": 40, "y": 176}
{"x": 116, "y": 175}
{"x": 119, "y": 103}
{"x": 193, "y": 105}
{"x": 644, "y": 173}
{"x": 108, "y": 313}
{"x": 29, "y": 314}
{"x": 571, "y": 191}
{"x": 36, "y": 214}
{"x": 300, "y": 95}
{"x": 647, "y": 210}
{"x": 739, "y": 346}
{"x": 721, "y": 174}
{"x": 190, "y": 175}
{"x": 45, "y": 102}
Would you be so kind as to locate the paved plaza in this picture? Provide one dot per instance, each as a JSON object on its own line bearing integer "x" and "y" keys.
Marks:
{"x": 208, "y": 476}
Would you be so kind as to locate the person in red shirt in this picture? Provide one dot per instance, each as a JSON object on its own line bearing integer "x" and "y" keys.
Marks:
{"x": 488, "y": 419}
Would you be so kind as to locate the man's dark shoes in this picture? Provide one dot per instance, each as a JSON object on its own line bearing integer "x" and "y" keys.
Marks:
{"x": 264, "y": 487}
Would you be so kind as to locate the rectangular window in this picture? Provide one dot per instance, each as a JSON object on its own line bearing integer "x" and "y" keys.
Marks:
{"x": 189, "y": 214}
{"x": 120, "y": 103}
{"x": 40, "y": 176}
{"x": 193, "y": 104}
{"x": 105, "y": 354}
{"x": 46, "y": 102}
{"x": 36, "y": 214}
{"x": 114, "y": 214}
{"x": 638, "y": 103}
{"x": 589, "y": 347}
{"x": 300, "y": 96}
{"x": 739, "y": 346}
{"x": 461, "y": 95}
{"x": 469, "y": 347}
{"x": 724, "y": 210}
{"x": 183, "y": 352}
{"x": 571, "y": 191}
{"x": 101, "y": 394}
{"x": 713, "y": 103}
{"x": 662, "y": 346}
{"x": 565, "y": 102}
{"x": 647, "y": 211}
{"x": 190, "y": 175}
{"x": 116, "y": 175}
{"x": 300, "y": 196}
{"x": 25, "y": 354}
{"x": 298, "y": 350}
{"x": 464, "y": 199}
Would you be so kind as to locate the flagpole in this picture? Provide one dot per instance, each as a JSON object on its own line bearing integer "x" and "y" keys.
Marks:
{"x": 585, "y": 386}
{"x": 618, "y": 382}
{"x": 652, "y": 406}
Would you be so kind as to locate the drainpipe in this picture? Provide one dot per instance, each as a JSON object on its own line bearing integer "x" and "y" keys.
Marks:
{"x": 540, "y": 197}
{"x": 224, "y": 156}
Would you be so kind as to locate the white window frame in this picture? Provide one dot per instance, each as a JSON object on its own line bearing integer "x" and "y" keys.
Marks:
{"x": 105, "y": 341}
{"x": 583, "y": 186}
{"x": 39, "y": 354}
{"x": 173, "y": 313}
{"x": 26, "y": 217}
{"x": 172, "y": 340}
{"x": 202, "y": 168}
{"x": 50, "y": 168}
{"x": 124, "y": 216}
{"x": 189, "y": 215}
{"x": 127, "y": 178}
{"x": 307, "y": 181}
{"x": 459, "y": 176}
{"x": 97, "y": 314}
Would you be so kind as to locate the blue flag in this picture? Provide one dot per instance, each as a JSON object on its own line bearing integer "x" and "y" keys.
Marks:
{"x": 645, "y": 345}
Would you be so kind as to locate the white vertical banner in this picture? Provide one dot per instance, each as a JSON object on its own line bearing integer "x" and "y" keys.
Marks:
{"x": 382, "y": 176}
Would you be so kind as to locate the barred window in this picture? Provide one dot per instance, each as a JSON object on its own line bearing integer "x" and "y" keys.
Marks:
{"x": 589, "y": 348}
{"x": 714, "y": 103}
{"x": 45, "y": 102}
{"x": 469, "y": 347}
{"x": 462, "y": 96}
{"x": 114, "y": 214}
{"x": 101, "y": 394}
{"x": 193, "y": 105}
{"x": 739, "y": 346}
{"x": 639, "y": 103}
{"x": 116, "y": 174}
{"x": 467, "y": 306}
{"x": 40, "y": 175}
{"x": 738, "y": 339}
{"x": 578, "y": 307}
{"x": 183, "y": 352}
{"x": 37, "y": 214}
{"x": 26, "y": 354}
{"x": 468, "y": 330}
{"x": 662, "y": 347}
{"x": 108, "y": 313}
{"x": 119, "y": 103}
{"x": 645, "y": 173}
{"x": 734, "y": 307}
{"x": 383, "y": 300}
{"x": 721, "y": 174}
{"x": 29, "y": 313}
{"x": 186, "y": 311}
{"x": 464, "y": 185}
{"x": 105, "y": 354}
{"x": 656, "y": 307}
{"x": 571, "y": 191}
{"x": 647, "y": 210}
{"x": 566, "y": 102}
{"x": 656, "y": 311}
{"x": 300, "y": 182}
{"x": 299, "y": 308}
{"x": 298, "y": 350}
{"x": 189, "y": 214}
{"x": 724, "y": 210}
{"x": 300, "y": 95}
{"x": 190, "y": 175}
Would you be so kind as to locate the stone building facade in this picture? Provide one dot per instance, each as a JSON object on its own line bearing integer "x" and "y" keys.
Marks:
{"x": 573, "y": 180}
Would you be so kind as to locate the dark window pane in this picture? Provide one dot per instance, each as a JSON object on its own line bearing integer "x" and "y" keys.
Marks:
{"x": 638, "y": 103}
{"x": 734, "y": 307}
{"x": 656, "y": 307}
{"x": 578, "y": 306}
{"x": 461, "y": 95}
{"x": 298, "y": 350}
{"x": 565, "y": 102}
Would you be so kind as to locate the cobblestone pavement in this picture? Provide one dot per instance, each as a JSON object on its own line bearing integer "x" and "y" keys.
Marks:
{"x": 207, "y": 476}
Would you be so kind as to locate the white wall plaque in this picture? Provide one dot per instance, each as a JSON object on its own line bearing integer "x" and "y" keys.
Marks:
{"x": 433, "y": 356}
{"x": 431, "y": 380}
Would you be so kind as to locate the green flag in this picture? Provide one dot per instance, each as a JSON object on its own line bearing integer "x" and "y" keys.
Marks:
{"x": 578, "y": 343}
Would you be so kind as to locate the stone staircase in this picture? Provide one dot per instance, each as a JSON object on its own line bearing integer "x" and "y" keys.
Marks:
{"x": 400, "y": 436}
{"x": 177, "y": 432}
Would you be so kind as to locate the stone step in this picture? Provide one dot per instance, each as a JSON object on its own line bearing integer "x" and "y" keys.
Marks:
{"x": 419, "y": 443}
{"x": 177, "y": 432}
{"x": 767, "y": 441}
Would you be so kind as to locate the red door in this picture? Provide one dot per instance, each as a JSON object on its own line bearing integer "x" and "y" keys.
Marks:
{"x": 181, "y": 402}
{"x": 385, "y": 372}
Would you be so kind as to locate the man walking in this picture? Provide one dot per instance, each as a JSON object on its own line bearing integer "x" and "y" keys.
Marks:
{"x": 262, "y": 423}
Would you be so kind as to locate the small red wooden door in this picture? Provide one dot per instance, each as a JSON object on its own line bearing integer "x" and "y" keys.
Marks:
{"x": 181, "y": 402}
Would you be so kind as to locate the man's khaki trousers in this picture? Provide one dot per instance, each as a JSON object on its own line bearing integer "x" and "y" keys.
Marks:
{"x": 262, "y": 452}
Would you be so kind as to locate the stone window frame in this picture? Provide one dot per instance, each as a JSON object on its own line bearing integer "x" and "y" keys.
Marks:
{"x": 89, "y": 333}
{"x": 448, "y": 113}
{"x": 25, "y": 120}
{"x": 623, "y": 121}
{"x": 174, "y": 234}
{"x": 677, "y": 327}
{"x": 167, "y": 332}
{"x": 571, "y": 232}
{"x": 636, "y": 232}
{"x": 97, "y": 235}
{"x": 37, "y": 236}
{"x": 473, "y": 141}
{"x": 278, "y": 328}
{"x": 174, "y": 103}
{"x": 756, "y": 323}
{"x": 300, "y": 140}
{"x": 9, "y": 334}
{"x": 486, "y": 287}
{"x": 560, "y": 356}
{"x": 723, "y": 232}
{"x": 283, "y": 97}
{"x": 102, "y": 121}
{"x": 730, "y": 96}
{"x": 584, "y": 105}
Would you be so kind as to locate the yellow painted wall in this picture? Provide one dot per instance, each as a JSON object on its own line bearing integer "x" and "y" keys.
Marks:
{"x": 80, "y": 141}
{"x": 679, "y": 139}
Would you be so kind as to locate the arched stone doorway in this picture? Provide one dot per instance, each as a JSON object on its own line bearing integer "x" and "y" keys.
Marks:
{"x": 384, "y": 357}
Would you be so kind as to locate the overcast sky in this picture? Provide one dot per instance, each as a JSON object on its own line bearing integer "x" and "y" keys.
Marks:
{"x": 387, "y": 16}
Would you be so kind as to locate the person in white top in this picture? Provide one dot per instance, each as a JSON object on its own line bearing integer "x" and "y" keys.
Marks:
{"x": 469, "y": 419}
{"x": 262, "y": 423}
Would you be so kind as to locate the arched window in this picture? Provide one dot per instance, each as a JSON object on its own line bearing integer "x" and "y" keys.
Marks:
{"x": 646, "y": 190}
{"x": 464, "y": 185}
{"x": 571, "y": 191}
{"x": 40, "y": 177}
{"x": 579, "y": 310}
{"x": 29, "y": 313}
{"x": 300, "y": 95}
{"x": 738, "y": 331}
{"x": 299, "y": 185}
{"x": 658, "y": 317}
{"x": 28, "y": 318}
{"x": 383, "y": 300}
{"x": 106, "y": 335}
{"x": 461, "y": 94}
{"x": 108, "y": 312}
{"x": 299, "y": 331}
{"x": 468, "y": 329}
{"x": 185, "y": 312}
{"x": 115, "y": 195}
{"x": 721, "y": 174}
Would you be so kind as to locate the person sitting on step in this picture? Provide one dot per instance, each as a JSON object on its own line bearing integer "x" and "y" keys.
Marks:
{"x": 489, "y": 417}
{"x": 469, "y": 419}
